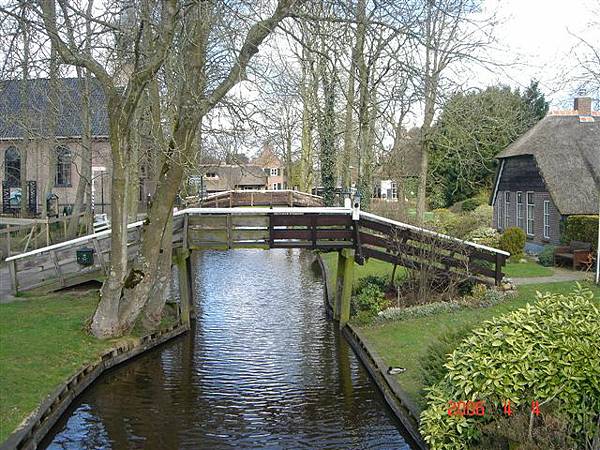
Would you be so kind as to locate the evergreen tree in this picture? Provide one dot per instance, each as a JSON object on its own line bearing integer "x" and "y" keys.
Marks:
{"x": 535, "y": 101}
{"x": 471, "y": 130}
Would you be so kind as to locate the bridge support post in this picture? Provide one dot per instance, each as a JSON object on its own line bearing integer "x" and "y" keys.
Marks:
{"x": 343, "y": 292}
{"x": 182, "y": 260}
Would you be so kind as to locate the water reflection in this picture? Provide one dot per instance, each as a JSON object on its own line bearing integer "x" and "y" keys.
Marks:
{"x": 262, "y": 368}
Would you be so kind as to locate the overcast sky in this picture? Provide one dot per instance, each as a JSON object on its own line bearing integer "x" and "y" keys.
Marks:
{"x": 535, "y": 38}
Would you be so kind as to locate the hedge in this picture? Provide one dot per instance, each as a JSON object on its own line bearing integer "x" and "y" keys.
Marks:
{"x": 581, "y": 228}
{"x": 547, "y": 352}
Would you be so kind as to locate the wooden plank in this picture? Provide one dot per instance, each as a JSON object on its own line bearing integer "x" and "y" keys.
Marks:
{"x": 210, "y": 222}
{"x": 320, "y": 233}
{"x": 249, "y": 235}
{"x": 195, "y": 235}
{"x": 59, "y": 273}
{"x": 185, "y": 230}
{"x": 100, "y": 256}
{"x": 261, "y": 221}
{"x": 12, "y": 267}
{"x": 305, "y": 220}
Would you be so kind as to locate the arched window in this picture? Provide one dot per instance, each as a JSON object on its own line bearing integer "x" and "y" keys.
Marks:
{"x": 12, "y": 167}
{"x": 63, "y": 166}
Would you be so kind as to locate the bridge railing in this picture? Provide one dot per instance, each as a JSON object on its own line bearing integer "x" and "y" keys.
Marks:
{"x": 319, "y": 228}
{"x": 415, "y": 247}
{"x": 236, "y": 198}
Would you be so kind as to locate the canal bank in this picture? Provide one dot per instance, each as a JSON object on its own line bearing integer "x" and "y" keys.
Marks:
{"x": 398, "y": 400}
{"x": 43, "y": 342}
{"x": 262, "y": 366}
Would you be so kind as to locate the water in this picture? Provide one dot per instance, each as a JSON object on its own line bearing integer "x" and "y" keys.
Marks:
{"x": 262, "y": 368}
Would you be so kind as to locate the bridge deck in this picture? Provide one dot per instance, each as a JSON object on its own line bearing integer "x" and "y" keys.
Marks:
{"x": 325, "y": 229}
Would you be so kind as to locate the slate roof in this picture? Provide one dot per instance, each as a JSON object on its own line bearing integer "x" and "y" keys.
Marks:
{"x": 39, "y": 109}
{"x": 567, "y": 153}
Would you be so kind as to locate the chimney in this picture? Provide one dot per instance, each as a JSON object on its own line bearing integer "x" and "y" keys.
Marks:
{"x": 583, "y": 106}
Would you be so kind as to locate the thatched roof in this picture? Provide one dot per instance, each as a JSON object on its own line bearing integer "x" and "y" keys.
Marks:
{"x": 230, "y": 176}
{"x": 26, "y": 109}
{"x": 405, "y": 159}
{"x": 567, "y": 153}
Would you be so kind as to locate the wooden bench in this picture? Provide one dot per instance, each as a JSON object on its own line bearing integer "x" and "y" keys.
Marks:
{"x": 577, "y": 253}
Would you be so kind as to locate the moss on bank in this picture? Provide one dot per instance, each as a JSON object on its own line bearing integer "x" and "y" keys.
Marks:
{"x": 42, "y": 342}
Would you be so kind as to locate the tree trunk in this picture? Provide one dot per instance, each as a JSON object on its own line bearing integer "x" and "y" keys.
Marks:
{"x": 85, "y": 173}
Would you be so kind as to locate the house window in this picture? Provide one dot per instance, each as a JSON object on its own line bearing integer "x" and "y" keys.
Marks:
{"x": 500, "y": 210}
{"x": 12, "y": 167}
{"x": 394, "y": 190}
{"x": 211, "y": 175}
{"x": 506, "y": 209}
{"x": 530, "y": 212}
{"x": 520, "y": 210}
{"x": 276, "y": 186}
{"x": 547, "y": 219}
{"x": 63, "y": 166}
{"x": 274, "y": 172}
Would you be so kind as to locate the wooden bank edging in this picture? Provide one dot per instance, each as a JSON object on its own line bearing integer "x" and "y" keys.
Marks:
{"x": 35, "y": 428}
{"x": 399, "y": 401}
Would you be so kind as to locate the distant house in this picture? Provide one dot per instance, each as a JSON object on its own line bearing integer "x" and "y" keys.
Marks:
{"x": 33, "y": 128}
{"x": 402, "y": 163}
{"x": 224, "y": 177}
{"x": 549, "y": 173}
{"x": 273, "y": 168}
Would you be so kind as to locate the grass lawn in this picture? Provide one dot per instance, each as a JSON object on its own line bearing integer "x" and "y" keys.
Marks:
{"x": 403, "y": 343}
{"x": 371, "y": 267}
{"x": 42, "y": 343}
{"x": 527, "y": 269}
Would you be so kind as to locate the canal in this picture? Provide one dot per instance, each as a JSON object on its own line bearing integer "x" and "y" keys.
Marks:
{"x": 262, "y": 367}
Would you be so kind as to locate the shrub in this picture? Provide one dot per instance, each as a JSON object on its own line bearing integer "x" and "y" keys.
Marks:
{"x": 371, "y": 300}
{"x": 581, "y": 228}
{"x": 513, "y": 241}
{"x": 432, "y": 363}
{"x": 470, "y": 204}
{"x": 547, "y": 352}
{"x": 484, "y": 236}
{"x": 546, "y": 257}
{"x": 382, "y": 282}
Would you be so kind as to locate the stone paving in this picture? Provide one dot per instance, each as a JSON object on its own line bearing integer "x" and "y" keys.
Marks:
{"x": 560, "y": 274}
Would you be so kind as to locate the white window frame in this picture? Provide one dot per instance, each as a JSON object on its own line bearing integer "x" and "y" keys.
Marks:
{"x": 528, "y": 218}
{"x": 274, "y": 172}
{"x": 394, "y": 190}
{"x": 500, "y": 218}
{"x": 547, "y": 219}
{"x": 520, "y": 216}
{"x": 506, "y": 209}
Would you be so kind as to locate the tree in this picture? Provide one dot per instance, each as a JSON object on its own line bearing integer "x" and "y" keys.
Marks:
{"x": 535, "y": 101}
{"x": 471, "y": 130}
{"x": 448, "y": 35}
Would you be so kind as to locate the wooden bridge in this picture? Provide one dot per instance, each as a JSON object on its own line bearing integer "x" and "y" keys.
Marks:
{"x": 356, "y": 235}
{"x": 235, "y": 198}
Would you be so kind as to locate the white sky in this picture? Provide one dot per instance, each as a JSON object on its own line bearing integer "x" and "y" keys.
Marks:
{"x": 534, "y": 40}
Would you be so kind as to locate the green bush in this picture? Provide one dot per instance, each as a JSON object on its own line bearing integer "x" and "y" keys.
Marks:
{"x": 381, "y": 281}
{"x": 513, "y": 241}
{"x": 368, "y": 303}
{"x": 470, "y": 204}
{"x": 484, "y": 236}
{"x": 432, "y": 363}
{"x": 581, "y": 228}
{"x": 547, "y": 352}
{"x": 546, "y": 257}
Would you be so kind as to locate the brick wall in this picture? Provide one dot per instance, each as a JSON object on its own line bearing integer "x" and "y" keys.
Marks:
{"x": 508, "y": 217}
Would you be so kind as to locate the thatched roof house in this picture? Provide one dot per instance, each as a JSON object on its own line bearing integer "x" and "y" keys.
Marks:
{"x": 550, "y": 172}
{"x": 225, "y": 177}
